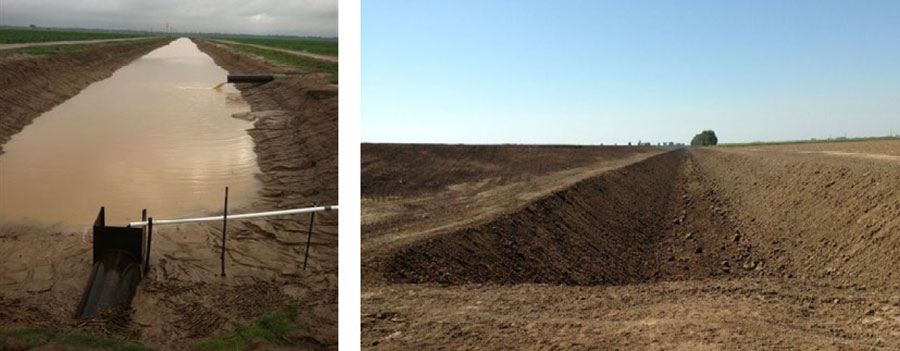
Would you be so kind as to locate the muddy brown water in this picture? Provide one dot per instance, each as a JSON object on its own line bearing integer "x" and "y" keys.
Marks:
{"x": 154, "y": 135}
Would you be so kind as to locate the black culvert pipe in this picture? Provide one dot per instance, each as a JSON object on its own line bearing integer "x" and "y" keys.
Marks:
{"x": 112, "y": 284}
{"x": 118, "y": 253}
{"x": 250, "y": 78}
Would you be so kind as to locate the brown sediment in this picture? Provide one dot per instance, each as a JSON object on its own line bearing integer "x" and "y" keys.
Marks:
{"x": 727, "y": 249}
{"x": 32, "y": 85}
{"x": 183, "y": 298}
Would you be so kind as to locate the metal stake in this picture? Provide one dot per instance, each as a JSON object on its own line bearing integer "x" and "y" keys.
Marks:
{"x": 149, "y": 241}
{"x": 224, "y": 227}
{"x": 312, "y": 218}
{"x": 147, "y": 250}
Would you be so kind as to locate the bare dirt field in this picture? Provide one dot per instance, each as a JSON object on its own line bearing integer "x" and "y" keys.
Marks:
{"x": 183, "y": 299}
{"x": 713, "y": 248}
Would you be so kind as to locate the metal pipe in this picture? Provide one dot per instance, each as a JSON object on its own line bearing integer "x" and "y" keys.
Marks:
{"x": 238, "y": 216}
{"x": 149, "y": 241}
{"x": 312, "y": 219}
{"x": 147, "y": 250}
{"x": 224, "y": 227}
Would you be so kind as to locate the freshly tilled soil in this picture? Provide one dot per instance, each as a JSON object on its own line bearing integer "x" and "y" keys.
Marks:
{"x": 736, "y": 248}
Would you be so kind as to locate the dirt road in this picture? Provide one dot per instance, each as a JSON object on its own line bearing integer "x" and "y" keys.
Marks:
{"x": 332, "y": 59}
{"x": 704, "y": 249}
{"x": 67, "y": 42}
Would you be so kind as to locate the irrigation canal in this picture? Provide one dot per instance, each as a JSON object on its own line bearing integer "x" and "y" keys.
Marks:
{"x": 154, "y": 135}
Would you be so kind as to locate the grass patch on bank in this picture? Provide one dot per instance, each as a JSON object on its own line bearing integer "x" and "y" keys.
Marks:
{"x": 271, "y": 329}
{"x": 304, "y": 63}
{"x": 33, "y": 337}
{"x": 36, "y": 337}
{"x": 810, "y": 141}
{"x": 314, "y": 46}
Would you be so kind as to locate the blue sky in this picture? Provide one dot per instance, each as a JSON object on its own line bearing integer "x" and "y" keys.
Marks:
{"x": 591, "y": 72}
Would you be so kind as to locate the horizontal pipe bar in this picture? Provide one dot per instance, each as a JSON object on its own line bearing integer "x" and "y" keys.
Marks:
{"x": 239, "y": 216}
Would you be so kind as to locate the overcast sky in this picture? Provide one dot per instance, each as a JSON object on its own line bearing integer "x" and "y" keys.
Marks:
{"x": 285, "y": 17}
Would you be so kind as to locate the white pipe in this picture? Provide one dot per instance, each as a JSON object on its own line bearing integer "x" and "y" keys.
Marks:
{"x": 239, "y": 216}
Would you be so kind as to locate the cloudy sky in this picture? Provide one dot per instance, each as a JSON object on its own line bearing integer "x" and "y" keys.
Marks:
{"x": 291, "y": 17}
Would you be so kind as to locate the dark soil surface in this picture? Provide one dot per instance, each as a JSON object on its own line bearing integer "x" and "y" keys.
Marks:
{"x": 404, "y": 169}
{"x": 711, "y": 249}
{"x": 32, "y": 85}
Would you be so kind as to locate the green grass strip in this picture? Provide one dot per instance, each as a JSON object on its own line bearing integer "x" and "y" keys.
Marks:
{"x": 304, "y": 63}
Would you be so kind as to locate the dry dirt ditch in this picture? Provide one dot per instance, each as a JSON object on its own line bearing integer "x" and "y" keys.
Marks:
{"x": 624, "y": 226}
{"x": 700, "y": 249}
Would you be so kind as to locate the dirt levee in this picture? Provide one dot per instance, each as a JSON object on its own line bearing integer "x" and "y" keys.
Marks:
{"x": 32, "y": 85}
{"x": 815, "y": 216}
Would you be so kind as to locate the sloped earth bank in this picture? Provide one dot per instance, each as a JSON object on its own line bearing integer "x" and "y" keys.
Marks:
{"x": 183, "y": 298}
{"x": 705, "y": 249}
{"x": 413, "y": 192}
{"x": 32, "y": 85}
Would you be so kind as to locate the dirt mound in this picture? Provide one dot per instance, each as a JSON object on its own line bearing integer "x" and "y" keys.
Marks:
{"x": 32, "y": 85}
{"x": 814, "y": 216}
{"x": 624, "y": 226}
{"x": 404, "y": 169}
